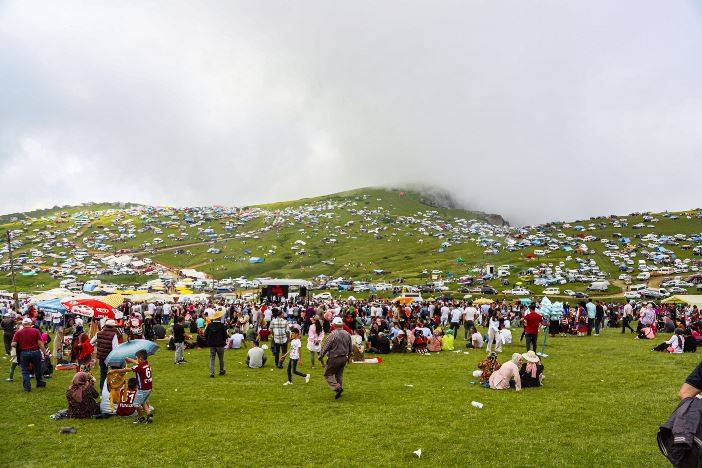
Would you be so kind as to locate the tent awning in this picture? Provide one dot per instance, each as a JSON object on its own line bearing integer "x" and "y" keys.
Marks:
{"x": 690, "y": 299}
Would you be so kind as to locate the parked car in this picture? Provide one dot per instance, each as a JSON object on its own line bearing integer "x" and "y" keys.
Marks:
{"x": 552, "y": 291}
{"x": 632, "y": 295}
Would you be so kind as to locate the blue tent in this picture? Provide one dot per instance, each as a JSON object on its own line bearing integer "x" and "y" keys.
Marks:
{"x": 52, "y": 305}
{"x": 256, "y": 260}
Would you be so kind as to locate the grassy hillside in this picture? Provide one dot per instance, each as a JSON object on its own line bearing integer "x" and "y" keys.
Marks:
{"x": 351, "y": 234}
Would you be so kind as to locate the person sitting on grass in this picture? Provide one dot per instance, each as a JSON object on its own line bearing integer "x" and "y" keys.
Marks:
{"x": 255, "y": 357}
{"x": 447, "y": 341}
{"x": 646, "y": 333}
{"x": 486, "y": 367}
{"x": 399, "y": 343}
{"x": 476, "y": 339}
{"x": 674, "y": 345}
{"x": 357, "y": 347}
{"x": 82, "y": 397}
{"x": 532, "y": 371}
{"x": 690, "y": 345}
{"x": 237, "y": 340}
{"x": 420, "y": 342}
{"x": 435, "y": 344}
{"x": 507, "y": 375}
{"x": 379, "y": 344}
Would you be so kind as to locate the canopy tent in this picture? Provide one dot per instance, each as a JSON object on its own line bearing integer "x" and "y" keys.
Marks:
{"x": 113, "y": 299}
{"x": 56, "y": 293}
{"x": 152, "y": 297}
{"x": 689, "y": 299}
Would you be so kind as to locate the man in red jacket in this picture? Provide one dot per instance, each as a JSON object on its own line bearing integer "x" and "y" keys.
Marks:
{"x": 532, "y": 321}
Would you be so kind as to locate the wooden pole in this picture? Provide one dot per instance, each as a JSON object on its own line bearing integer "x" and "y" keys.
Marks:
{"x": 12, "y": 272}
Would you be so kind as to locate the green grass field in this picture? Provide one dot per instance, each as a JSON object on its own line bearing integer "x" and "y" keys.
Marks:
{"x": 601, "y": 405}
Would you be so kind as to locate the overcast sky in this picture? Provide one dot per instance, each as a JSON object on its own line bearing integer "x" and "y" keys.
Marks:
{"x": 537, "y": 110}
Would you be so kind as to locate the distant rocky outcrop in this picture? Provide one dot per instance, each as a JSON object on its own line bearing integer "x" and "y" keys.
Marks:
{"x": 440, "y": 198}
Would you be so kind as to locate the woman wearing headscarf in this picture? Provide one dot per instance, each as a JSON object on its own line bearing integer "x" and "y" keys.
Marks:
{"x": 509, "y": 371}
{"x": 532, "y": 371}
{"x": 81, "y": 397}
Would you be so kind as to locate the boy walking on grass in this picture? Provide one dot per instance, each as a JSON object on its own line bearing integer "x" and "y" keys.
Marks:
{"x": 294, "y": 353}
{"x": 145, "y": 384}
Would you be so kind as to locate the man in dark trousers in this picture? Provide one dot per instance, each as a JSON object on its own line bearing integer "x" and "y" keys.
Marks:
{"x": 104, "y": 342}
{"x": 30, "y": 350}
{"x": 338, "y": 350}
{"x": 216, "y": 338}
{"x": 532, "y": 321}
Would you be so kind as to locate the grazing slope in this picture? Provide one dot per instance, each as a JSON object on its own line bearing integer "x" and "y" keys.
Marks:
{"x": 368, "y": 234}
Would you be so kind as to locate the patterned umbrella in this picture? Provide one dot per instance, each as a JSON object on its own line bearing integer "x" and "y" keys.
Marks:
{"x": 89, "y": 308}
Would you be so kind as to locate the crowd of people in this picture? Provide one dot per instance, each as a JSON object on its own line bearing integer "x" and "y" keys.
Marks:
{"x": 337, "y": 332}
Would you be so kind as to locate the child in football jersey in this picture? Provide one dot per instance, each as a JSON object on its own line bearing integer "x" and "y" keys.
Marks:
{"x": 144, "y": 377}
{"x": 294, "y": 353}
{"x": 126, "y": 406}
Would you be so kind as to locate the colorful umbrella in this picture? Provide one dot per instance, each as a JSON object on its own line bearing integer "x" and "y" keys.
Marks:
{"x": 129, "y": 349}
{"x": 89, "y": 308}
{"x": 53, "y": 305}
{"x": 482, "y": 301}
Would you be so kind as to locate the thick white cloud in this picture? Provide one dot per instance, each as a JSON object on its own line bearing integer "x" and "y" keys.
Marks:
{"x": 535, "y": 110}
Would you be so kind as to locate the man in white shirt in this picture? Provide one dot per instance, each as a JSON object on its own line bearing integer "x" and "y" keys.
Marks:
{"x": 456, "y": 316}
{"x": 445, "y": 315}
{"x": 470, "y": 313}
{"x": 476, "y": 340}
{"x": 236, "y": 340}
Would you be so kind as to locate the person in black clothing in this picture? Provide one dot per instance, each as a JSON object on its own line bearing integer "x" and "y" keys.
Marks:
{"x": 216, "y": 339}
{"x": 8, "y": 327}
{"x": 599, "y": 317}
{"x": 693, "y": 384}
{"x": 179, "y": 340}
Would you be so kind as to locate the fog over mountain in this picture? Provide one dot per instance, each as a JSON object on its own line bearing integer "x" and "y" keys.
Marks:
{"x": 533, "y": 110}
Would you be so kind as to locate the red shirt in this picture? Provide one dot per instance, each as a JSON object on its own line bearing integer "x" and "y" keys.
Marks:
{"x": 144, "y": 377}
{"x": 533, "y": 320}
{"x": 126, "y": 406}
{"x": 27, "y": 339}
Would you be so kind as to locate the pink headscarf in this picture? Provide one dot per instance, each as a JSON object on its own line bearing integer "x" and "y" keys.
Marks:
{"x": 531, "y": 367}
